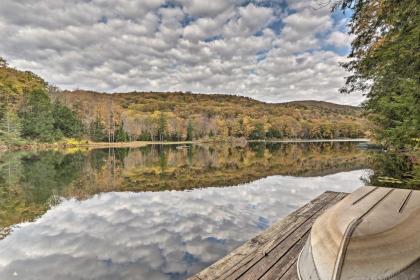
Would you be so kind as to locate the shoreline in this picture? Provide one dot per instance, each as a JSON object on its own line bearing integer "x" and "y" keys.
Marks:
{"x": 311, "y": 140}
{"x": 138, "y": 144}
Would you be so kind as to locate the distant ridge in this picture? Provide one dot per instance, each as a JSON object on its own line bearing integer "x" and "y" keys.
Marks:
{"x": 325, "y": 105}
{"x": 318, "y": 103}
{"x": 314, "y": 103}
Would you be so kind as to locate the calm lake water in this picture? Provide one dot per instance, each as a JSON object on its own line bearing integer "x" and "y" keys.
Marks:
{"x": 161, "y": 212}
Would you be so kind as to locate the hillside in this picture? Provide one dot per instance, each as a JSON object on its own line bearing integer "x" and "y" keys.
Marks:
{"x": 148, "y": 116}
{"x": 14, "y": 84}
{"x": 328, "y": 106}
{"x": 39, "y": 112}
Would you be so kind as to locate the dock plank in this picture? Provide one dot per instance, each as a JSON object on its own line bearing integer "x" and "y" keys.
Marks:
{"x": 282, "y": 267}
{"x": 291, "y": 273}
{"x": 262, "y": 256}
{"x": 288, "y": 261}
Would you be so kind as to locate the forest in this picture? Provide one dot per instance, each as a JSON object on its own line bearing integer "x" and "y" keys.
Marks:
{"x": 186, "y": 116}
{"x": 32, "y": 110}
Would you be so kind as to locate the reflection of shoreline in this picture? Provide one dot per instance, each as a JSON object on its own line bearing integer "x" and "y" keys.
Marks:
{"x": 137, "y": 144}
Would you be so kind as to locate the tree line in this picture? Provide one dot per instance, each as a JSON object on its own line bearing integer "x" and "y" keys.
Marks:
{"x": 37, "y": 118}
{"x": 184, "y": 116}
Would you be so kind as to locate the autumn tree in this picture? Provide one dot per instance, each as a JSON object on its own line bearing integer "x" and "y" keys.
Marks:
{"x": 385, "y": 63}
{"x": 247, "y": 126}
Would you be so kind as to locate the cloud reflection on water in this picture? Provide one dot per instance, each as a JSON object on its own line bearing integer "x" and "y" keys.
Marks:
{"x": 155, "y": 235}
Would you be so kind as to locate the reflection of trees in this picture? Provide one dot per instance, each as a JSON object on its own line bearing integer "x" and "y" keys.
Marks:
{"x": 155, "y": 168}
{"x": 31, "y": 182}
{"x": 204, "y": 166}
{"x": 395, "y": 170}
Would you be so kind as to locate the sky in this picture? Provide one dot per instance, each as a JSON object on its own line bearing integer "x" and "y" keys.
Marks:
{"x": 273, "y": 51}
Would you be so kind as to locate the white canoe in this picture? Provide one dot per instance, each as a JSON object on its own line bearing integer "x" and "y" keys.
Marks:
{"x": 373, "y": 233}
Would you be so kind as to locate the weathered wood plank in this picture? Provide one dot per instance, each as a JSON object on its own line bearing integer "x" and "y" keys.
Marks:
{"x": 283, "y": 266}
{"x": 285, "y": 263}
{"x": 291, "y": 273}
{"x": 264, "y": 265}
{"x": 244, "y": 257}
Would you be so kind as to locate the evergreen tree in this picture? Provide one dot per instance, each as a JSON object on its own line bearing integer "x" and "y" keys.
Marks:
{"x": 162, "y": 126}
{"x": 120, "y": 134}
{"x": 258, "y": 132}
{"x": 10, "y": 127}
{"x": 96, "y": 130}
{"x": 190, "y": 131}
{"x": 37, "y": 117}
{"x": 67, "y": 121}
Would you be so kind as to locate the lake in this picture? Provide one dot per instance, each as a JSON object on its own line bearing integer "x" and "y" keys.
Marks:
{"x": 163, "y": 211}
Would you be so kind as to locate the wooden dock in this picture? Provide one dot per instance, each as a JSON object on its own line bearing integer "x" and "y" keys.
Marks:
{"x": 272, "y": 254}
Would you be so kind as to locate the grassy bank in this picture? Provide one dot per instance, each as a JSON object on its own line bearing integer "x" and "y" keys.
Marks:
{"x": 85, "y": 144}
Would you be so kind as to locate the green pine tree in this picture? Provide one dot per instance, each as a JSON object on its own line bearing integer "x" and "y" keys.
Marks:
{"x": 258, "y": 132}
{"x": 163, "y": 124}
{"x": 96, "y": 130}
{"x": 120, "y": 134}
{"x": 37, "y": 117}
{"x": 10, "y": 127}
{"x": 190, "y": 131}
{"x": 66, "y": 121}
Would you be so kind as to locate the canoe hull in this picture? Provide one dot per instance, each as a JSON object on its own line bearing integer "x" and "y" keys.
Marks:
{"x": 374, "y": 233}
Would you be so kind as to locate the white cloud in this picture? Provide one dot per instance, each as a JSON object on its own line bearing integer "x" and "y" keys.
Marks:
{"x": 219, "y": 46}
{"x": 203, "y": 28}
{"x": 340, "y": 39}
{"x": 248, "y": 21}
{"x": 199, "y": 8}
